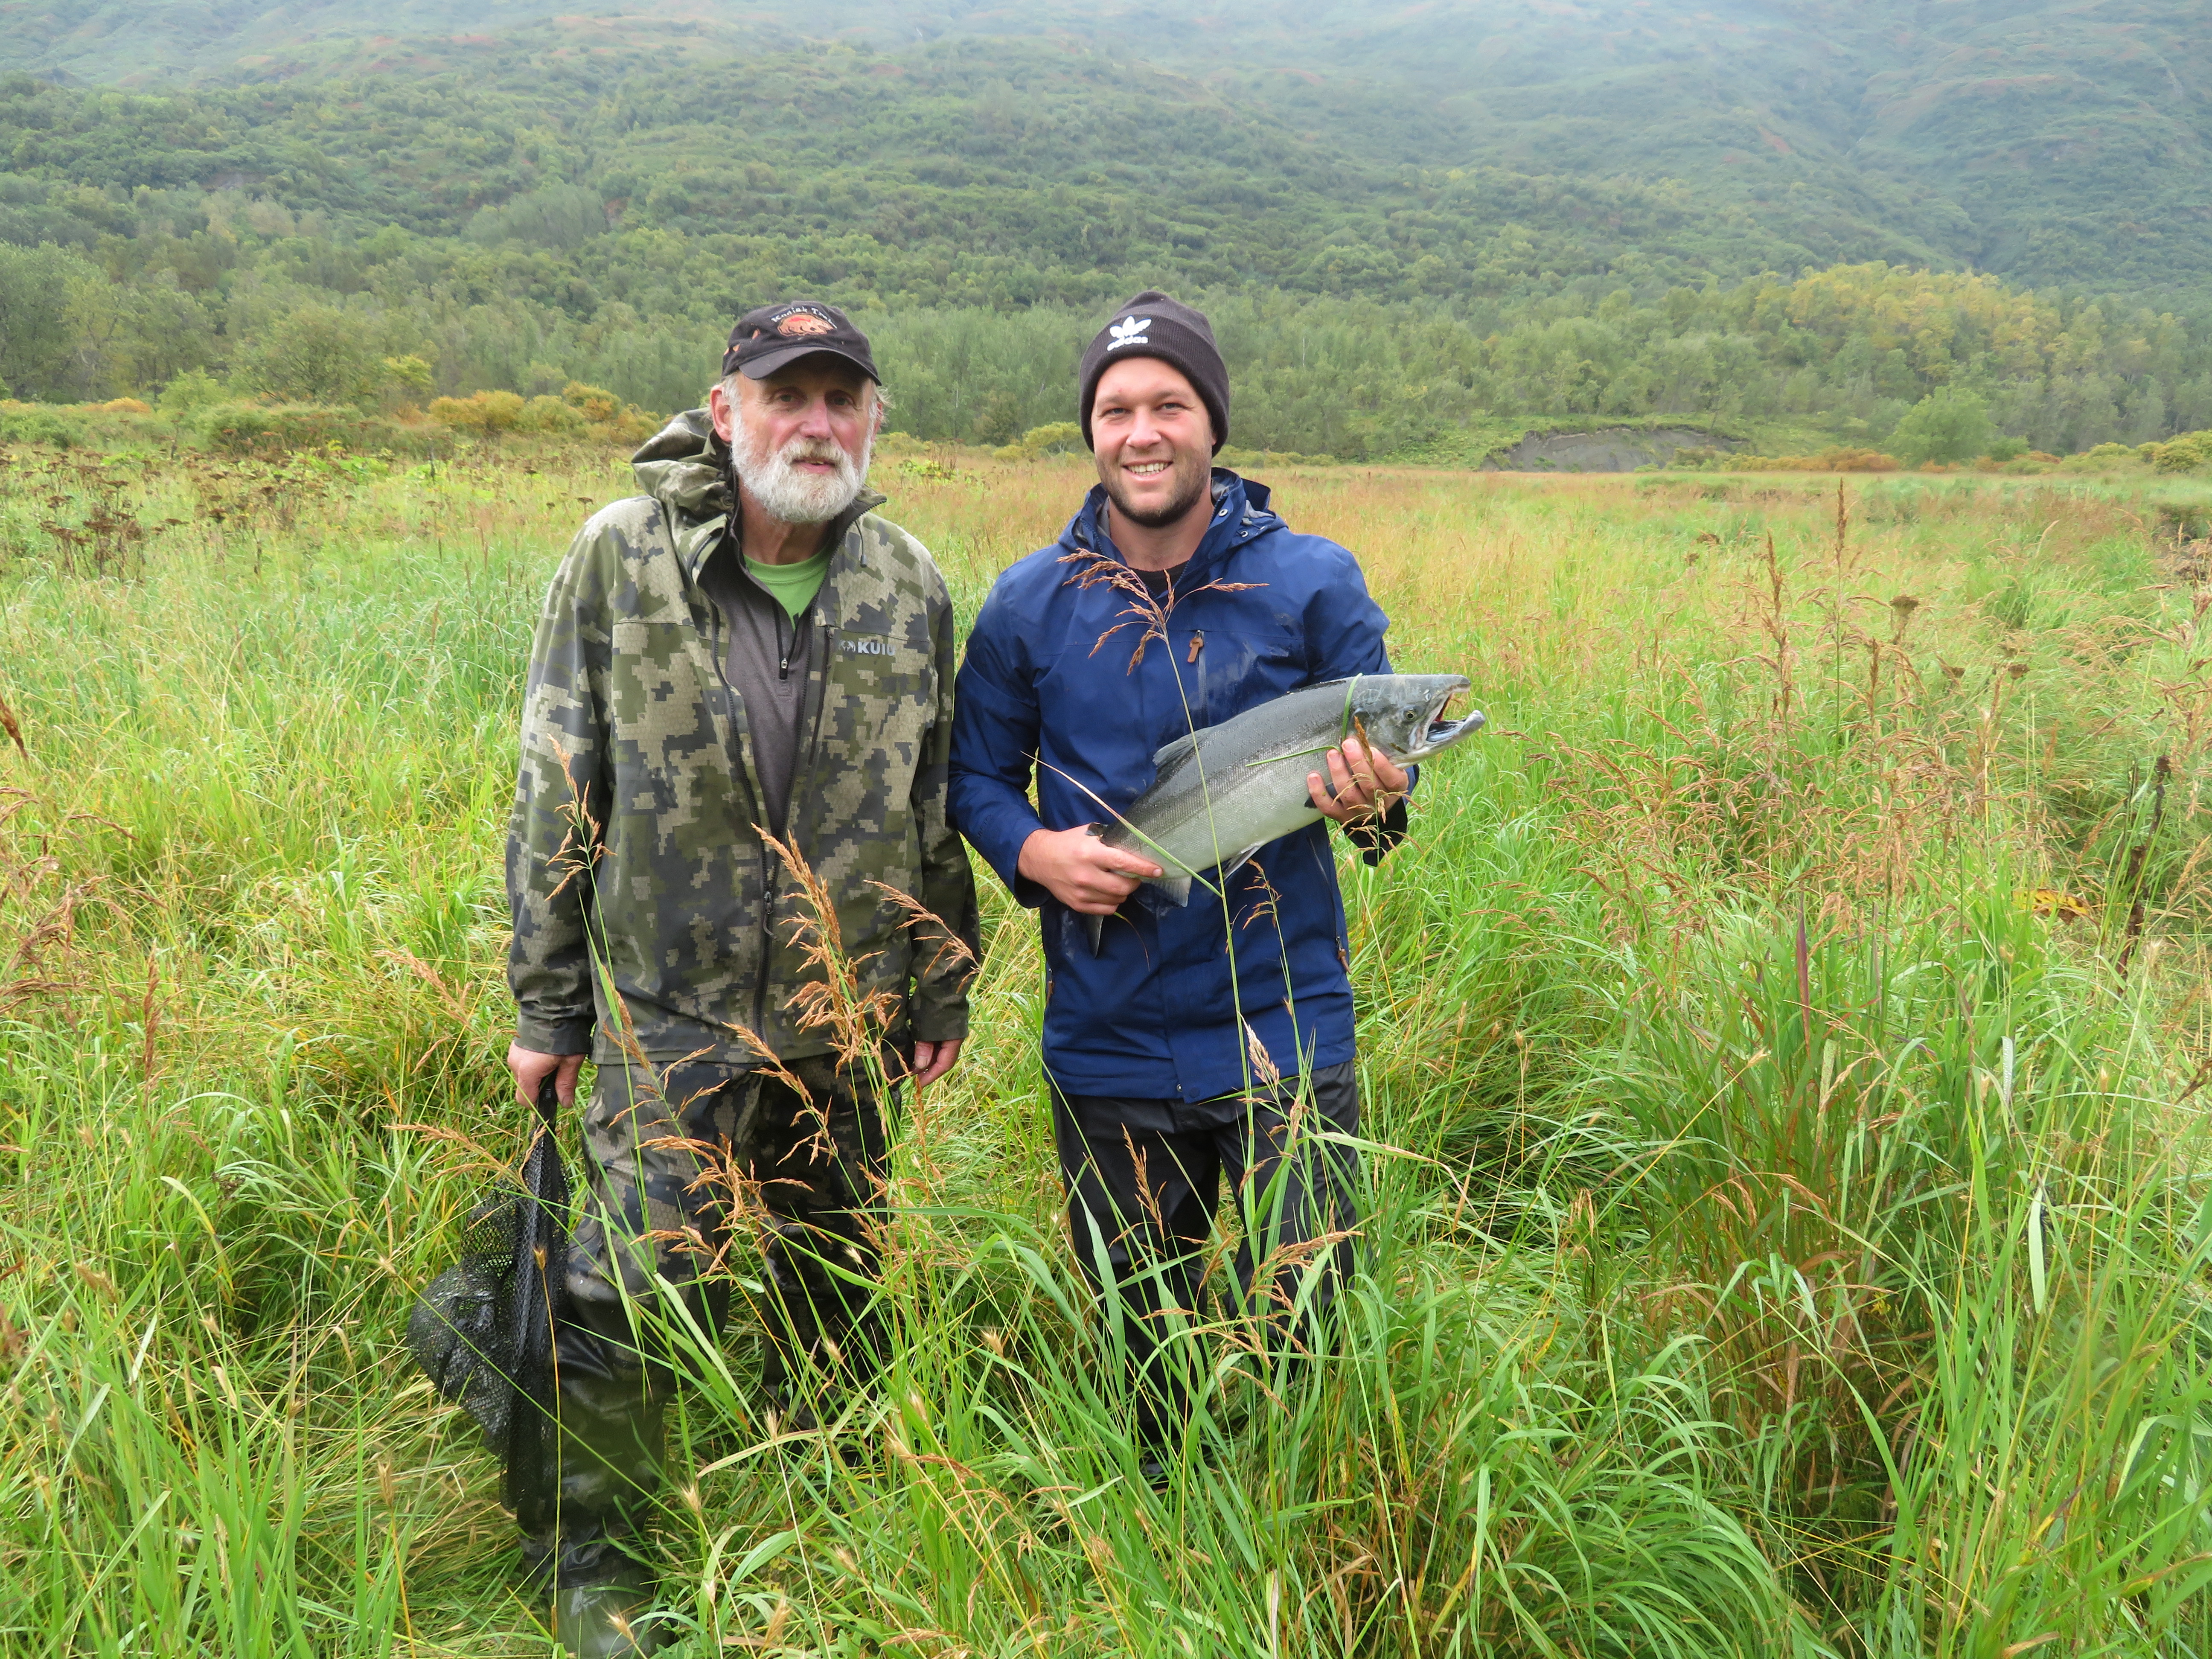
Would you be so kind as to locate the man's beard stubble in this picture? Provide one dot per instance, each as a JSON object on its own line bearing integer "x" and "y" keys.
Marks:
{"x": 792, "y": 496}
{"x": 1193, "y": 479}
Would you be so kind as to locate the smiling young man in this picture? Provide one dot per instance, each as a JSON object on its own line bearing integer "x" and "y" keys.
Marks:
{"x": 1174, "y": 600}
{"x": 745, "y": 650}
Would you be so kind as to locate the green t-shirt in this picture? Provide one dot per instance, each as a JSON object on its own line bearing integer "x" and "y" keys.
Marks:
{"x": 793, "y": 585}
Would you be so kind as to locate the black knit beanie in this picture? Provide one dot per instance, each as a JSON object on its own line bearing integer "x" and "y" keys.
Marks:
{"x": 1153, "y": 325}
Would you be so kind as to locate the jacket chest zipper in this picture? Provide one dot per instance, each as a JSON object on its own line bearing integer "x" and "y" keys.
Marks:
{"x": 801, "y": 782}
{"x": 769, "y": 882}
{"x": 722, "y": 648}
{"x": 803, "y": 778}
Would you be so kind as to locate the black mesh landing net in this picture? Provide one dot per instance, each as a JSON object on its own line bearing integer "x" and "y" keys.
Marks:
{"x": 482, "y": 1332}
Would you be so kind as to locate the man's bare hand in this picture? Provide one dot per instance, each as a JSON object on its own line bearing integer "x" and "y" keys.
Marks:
{"x": 531, "y": 1068}
{"x": 931, "y": 1060}
{"x": 1366, "y": 782}
{"x": 1082, "y": 871}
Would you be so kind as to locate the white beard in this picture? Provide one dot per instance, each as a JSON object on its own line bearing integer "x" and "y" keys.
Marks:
{"x": 783, "y": 492}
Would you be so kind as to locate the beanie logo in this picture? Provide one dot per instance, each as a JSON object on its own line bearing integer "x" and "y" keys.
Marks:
{"x": 1130, "y": 331}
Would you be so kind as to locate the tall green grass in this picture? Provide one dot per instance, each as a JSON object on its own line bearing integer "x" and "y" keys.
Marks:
{"x": 1784, "y": 1226}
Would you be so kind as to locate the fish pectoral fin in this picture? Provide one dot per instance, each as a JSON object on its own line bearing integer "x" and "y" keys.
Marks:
{"x": 1095, "y": 928}
{"x": 1176, "y": 886}
{"x": 1228, "y": 867}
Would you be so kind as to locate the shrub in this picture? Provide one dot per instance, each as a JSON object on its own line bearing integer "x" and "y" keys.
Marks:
{"x": 1946, "y": 425}
{"x": 1232, "y": 456}
{"x": 27, "y": 424}
{"x": 125, "y": 406}
{"x": 595, "y": 404}
{"x": 1054, "y": 437}
{"x": 631, "y": 425}
{"x": 1855, "y": 460}
{"x": 2105, "y": 455}
{"x": 193, "y": 391}
{"x": 2184, "y": 453}
{"x": 550, "y": 415}
{"x": 245, "y": 428}
{"x": 407, "y": 377}
{"x": 482, "y": 411}
{"x": 1838, "y": 458}
{"x": 319, "y": 355}
{"x": 281, "y": 429}
{"x": 578, "y": 410}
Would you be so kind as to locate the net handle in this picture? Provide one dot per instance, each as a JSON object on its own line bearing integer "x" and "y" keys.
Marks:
{"x": 548, "y": 1100}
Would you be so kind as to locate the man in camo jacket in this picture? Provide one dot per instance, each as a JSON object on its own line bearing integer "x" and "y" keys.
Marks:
{"x": 700, "y": 675}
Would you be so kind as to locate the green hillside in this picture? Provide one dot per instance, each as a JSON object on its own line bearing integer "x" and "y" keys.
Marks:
{"x": 2066, "y": 142}
{"x": 1402, "y": 251}
{"x": 2062, "y": 142}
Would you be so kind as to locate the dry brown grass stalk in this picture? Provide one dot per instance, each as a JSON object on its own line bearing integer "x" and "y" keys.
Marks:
{"x": 1144, "y": 611}
{"x": 41, "y": 901}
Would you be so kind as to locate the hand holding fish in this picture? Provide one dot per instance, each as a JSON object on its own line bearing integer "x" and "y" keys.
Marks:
{"x": 1082, "y": 871}
{"x": 1361, "y": 785}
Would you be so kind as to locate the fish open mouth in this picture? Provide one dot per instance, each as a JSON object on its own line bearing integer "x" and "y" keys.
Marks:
{"x": 1435, "y": 733}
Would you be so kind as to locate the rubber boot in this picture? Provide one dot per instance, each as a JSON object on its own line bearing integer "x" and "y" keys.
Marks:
{"x": 612, "y": 1431}
{"x": 609, "y": 1617}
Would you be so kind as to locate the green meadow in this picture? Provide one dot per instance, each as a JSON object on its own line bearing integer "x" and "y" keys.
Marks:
{"x": 1785, "y": 1043}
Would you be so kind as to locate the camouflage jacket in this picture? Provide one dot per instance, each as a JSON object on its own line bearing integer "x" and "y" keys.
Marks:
{"x": 689, "y": 914}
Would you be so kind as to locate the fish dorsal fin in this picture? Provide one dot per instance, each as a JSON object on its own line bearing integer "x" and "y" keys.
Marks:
{"x": 1170, "y": 755}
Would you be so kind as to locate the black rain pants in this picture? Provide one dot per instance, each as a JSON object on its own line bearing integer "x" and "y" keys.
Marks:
{"x": 1143, "y": 1179}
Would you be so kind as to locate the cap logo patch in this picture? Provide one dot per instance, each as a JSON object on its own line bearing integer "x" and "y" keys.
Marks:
{"x": 1130, "y": 331}
{"x": 805, "y": 322}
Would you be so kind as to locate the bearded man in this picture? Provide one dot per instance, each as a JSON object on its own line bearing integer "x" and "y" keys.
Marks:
{"x": 1197, "y": 1039}
{"x": 745, "y": 650}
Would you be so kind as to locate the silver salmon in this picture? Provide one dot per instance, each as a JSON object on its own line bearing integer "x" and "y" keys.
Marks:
{"x": 1220, "y": 794}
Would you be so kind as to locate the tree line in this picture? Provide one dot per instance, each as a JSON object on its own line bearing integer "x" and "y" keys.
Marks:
{"x": 380, "y": 245}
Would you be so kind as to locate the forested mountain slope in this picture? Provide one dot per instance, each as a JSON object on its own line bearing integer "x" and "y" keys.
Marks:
{"x": 1006, "y": 172}
{"x": 1399, "y": 247}
{"x": 2049, "y": 140}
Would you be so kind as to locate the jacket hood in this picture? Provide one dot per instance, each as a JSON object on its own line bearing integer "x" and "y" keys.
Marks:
{"x": 681, "y": 467}
{"x": 1240, "y": 512}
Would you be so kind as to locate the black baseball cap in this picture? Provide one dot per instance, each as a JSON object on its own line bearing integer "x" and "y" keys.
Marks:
{"x": 770, "y": 338}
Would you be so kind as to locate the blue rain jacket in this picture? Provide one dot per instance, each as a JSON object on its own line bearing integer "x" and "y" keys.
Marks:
{"x": 1058, "y": 685}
